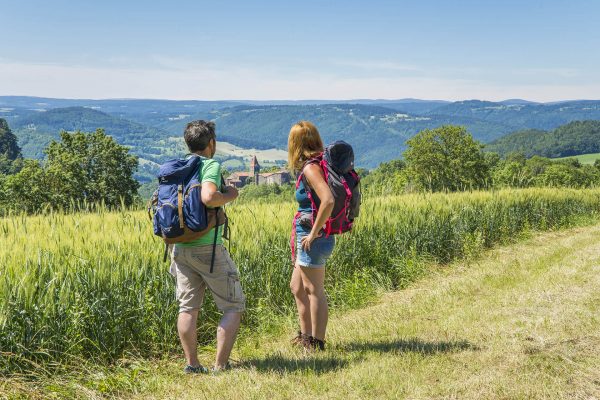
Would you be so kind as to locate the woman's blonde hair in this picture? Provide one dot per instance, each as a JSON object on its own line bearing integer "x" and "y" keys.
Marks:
{"x": 304, "y": 142}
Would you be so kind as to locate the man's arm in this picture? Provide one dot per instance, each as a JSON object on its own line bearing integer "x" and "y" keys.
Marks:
{"x": 211, "y": 179}
{"x": 211, "y": 197}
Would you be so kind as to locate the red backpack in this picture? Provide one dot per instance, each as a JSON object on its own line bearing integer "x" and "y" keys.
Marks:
{"x": 337, "y": 163}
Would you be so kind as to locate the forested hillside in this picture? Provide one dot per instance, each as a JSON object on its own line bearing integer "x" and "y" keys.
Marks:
{"x": 575, "y": 138}
{"x": 524, "y": 115}
{"x": 36, "y": 129}
{"x": 377, "y": 133}
{"x": 378, "y": 129}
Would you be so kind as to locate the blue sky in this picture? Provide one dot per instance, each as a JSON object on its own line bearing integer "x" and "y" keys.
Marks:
{"x": 460, "y": 49}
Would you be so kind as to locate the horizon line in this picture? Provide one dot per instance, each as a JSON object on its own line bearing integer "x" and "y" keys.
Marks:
{"x": 405, "y": 99}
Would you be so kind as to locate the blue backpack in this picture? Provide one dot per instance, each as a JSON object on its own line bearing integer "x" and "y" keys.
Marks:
{"x": 179, "y": 214}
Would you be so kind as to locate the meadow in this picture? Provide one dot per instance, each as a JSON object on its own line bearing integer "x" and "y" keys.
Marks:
{"x": 584, "y": 158}
{"x": 92, "y": 286}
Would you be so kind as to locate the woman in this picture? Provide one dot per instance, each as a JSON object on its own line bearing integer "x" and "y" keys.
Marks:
{"x": 312, "y": 248}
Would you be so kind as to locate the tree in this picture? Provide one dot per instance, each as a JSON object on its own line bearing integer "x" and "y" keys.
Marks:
{"x": 511, "y": 174}
{"x": 90, "y": 167}
{"x": 516, "y": 171}
{"x": 388, "y": 178}
{"x": 446, "y": 158}
{"x": 11, "y": 159}
{"x": 362, "y": 172}
{"x": 560, "y": 175}
{"x": 25, "y": 191}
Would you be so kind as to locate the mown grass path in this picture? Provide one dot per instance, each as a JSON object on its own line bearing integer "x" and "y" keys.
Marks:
{"x": 522, "y": 321}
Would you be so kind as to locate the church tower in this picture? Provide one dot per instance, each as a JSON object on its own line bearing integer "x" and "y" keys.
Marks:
{"x": 254, "y": 169}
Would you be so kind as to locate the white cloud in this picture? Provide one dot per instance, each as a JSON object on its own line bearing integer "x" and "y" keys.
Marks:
{"x": 175, "y": 79}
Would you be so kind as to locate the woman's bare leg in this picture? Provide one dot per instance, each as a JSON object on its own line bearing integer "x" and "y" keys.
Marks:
{"x": 302, "y": 301}
{"x": 313, "y": 280}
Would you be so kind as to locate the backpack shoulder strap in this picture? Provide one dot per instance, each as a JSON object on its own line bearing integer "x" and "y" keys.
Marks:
{"x": 200, "y": 164}
{"x": 315, "y": 160}
{"x": 216, "y": 228}
{"x": 318, "y": 160}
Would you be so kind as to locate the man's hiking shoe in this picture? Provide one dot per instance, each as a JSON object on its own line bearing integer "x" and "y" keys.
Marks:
{"x": 300, "y": 339}
{"x": 218, "y": 370}
{"x": 195, "y": 370}
{"x": 313, "y": 344}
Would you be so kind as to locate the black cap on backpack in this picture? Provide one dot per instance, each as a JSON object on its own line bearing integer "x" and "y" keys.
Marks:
{"x": 340, "y": 156}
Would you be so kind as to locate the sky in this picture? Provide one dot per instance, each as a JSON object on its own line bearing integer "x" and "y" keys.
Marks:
{"x": 274, "y": 50}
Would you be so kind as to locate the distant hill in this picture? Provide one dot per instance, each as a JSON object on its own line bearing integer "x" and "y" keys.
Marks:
{"x": 115, "y": 106}
{"x": 377, "y": 128}
{"x": 377, "y": 133}
{"x": 418, "y": 107}
{"x": 522, "y": 116}
{"x": 517, "y": 101}
{"x": 36, "y": 129}
{"x": 153, "y": 113}
{"x": 574, "y": 138}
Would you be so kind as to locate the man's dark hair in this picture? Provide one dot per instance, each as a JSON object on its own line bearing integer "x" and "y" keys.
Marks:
{"x": 198, "y": 134}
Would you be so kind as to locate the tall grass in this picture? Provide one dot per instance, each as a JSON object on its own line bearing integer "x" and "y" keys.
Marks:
{"x": 93, "y": 285}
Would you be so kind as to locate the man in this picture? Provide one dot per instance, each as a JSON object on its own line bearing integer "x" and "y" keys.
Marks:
{"x": 191, "y": 262}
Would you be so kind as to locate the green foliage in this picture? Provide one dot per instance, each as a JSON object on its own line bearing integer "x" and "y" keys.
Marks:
{"x": 93, "y": 286}
{"x": 11, "y": 159}
{"x": 146, "y": 190}
{"x": 431, "y": 159}
{"x": 83, "y": 168}
{"x": 446, "y": 158}
{"x": 266, "y": 193}
{"x": 37, "y": 130}
{"x": 579, "y": 137}
{"x": 362, "y": 172}
{"x": 517, "y": 171}
{"x": 519, "y": 116}
{"x": 378, "y": 131}
{"x": 91, "y": 168}
{"x": 388, "y": 178}
{"x": 26, "y": 191}
{"x": 590, "y": 159}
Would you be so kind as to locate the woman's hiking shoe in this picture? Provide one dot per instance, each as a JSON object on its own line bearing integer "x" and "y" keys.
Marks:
{"x": 218, "y": 370}
{"x": 195, "y": 370}
{"x": 300, "y": 339}
{"x": 313, "y": 344}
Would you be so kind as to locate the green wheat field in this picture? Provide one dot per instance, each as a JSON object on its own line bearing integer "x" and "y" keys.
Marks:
{"x": 91, "y": 288}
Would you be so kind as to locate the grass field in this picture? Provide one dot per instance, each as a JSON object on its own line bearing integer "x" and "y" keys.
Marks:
{"x": 89, "y": 290}
{"x": 584, "y": 158}
{"x": 520, "y": 322}
{"x": 264, "y": 156}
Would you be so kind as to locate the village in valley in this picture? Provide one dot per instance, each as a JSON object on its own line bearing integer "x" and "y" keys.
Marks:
{"x": 254, "y": 176}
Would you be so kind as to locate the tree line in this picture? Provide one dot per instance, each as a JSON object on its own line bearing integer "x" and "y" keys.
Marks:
{"x": 80, "y": 169}
{"x": 92, "y": 168}
{"x": 574, "y": 138}
{"x": 449, "y": 159}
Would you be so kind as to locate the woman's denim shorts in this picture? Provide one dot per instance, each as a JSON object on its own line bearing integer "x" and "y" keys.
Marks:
{"x": 320, "y": 251}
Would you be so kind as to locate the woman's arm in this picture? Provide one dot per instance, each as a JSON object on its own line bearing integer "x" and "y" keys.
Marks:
{"x": 316, "y": 180}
